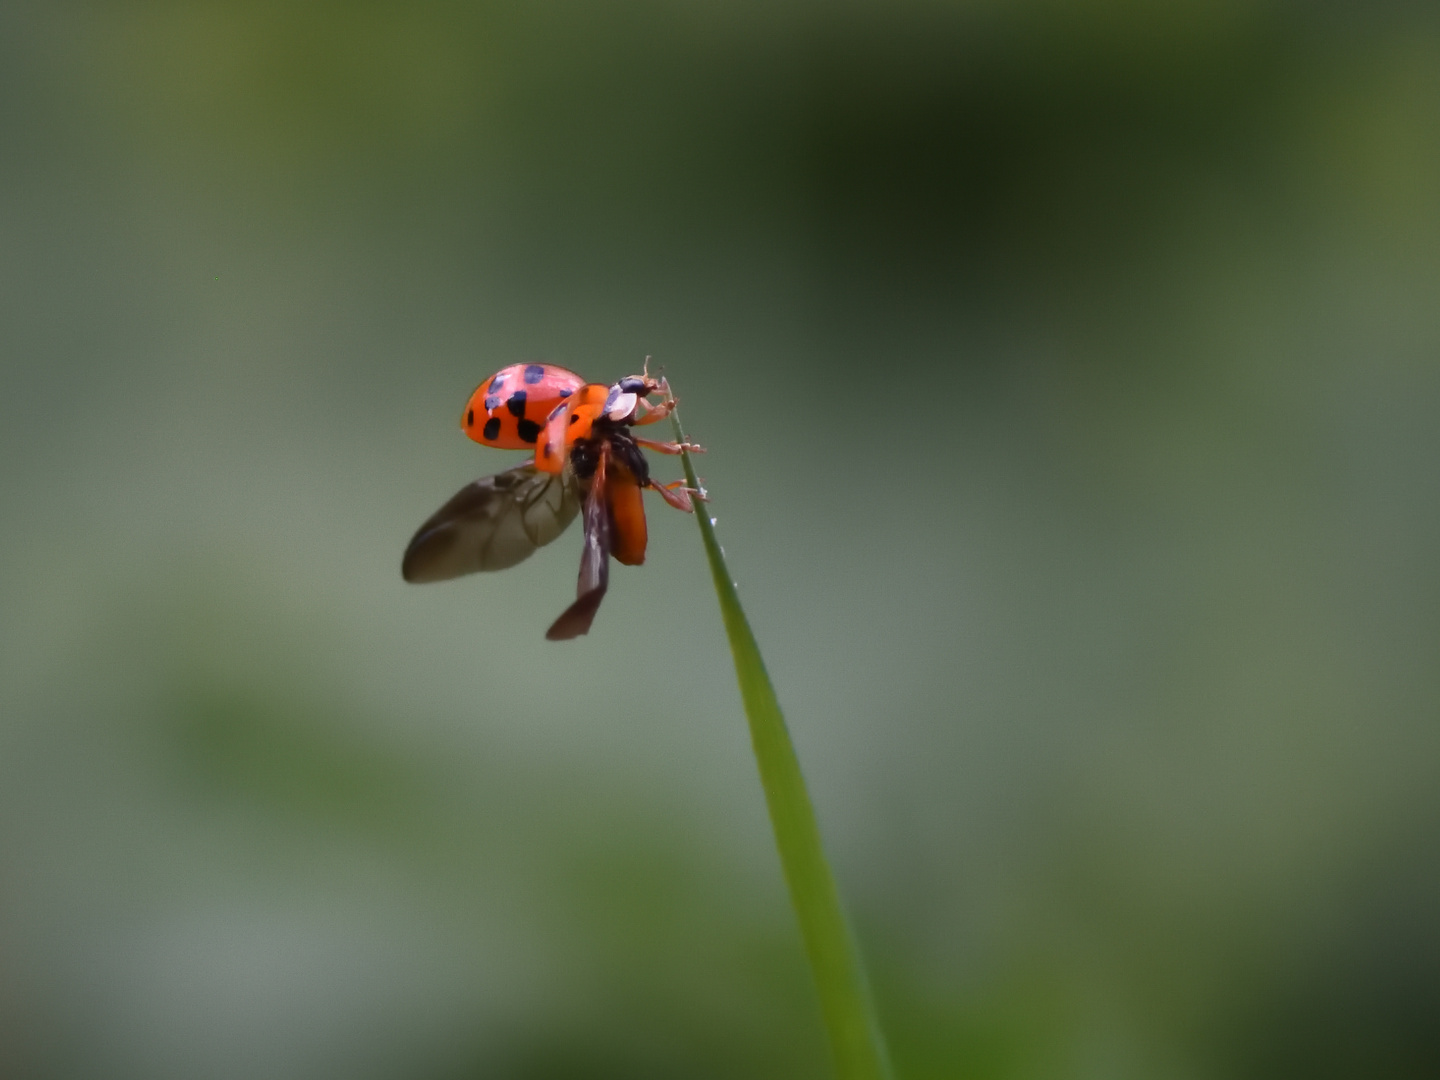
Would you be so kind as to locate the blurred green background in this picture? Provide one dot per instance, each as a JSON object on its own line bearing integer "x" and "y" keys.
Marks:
{"x": 1071, "y": 375}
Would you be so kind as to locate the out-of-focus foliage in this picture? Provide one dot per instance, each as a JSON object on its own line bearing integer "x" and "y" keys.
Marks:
{"x": 1070, "y": 375}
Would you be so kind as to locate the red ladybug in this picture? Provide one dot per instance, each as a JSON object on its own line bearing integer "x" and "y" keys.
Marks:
{"x": 585, "y": 455}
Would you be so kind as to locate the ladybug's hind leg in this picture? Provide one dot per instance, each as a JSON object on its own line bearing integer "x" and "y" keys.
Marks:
{"x": 669, "y": 447}
{"x": 677, "y": 494}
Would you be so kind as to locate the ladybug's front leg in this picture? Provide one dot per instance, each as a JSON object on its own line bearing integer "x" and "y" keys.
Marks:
{"x": 651, "y": 414}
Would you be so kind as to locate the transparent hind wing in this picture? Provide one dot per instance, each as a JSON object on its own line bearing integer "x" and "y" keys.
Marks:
{"x": 492, "y": 523}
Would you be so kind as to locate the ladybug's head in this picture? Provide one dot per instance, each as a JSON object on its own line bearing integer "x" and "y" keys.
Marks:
{"x": 628, "y": 395}
{"x": 643, "y": 384}
{"x": 638, "y": 384}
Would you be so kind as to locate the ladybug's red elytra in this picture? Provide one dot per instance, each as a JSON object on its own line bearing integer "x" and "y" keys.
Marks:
{"x": 509, "y": 409}
{"x": 585, "y": 457}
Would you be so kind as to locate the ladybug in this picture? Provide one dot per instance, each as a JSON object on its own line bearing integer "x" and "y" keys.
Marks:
{"x": 586, "y": 458}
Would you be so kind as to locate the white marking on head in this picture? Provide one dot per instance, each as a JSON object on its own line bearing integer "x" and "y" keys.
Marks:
{"x": 620, "y": 406}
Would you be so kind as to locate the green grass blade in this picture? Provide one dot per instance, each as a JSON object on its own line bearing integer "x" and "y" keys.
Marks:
{"x": 845, "y": 1001}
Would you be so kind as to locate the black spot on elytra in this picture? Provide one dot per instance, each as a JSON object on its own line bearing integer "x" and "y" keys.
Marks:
{"x": 534, "y": 373}
{"x": 529, "y": 430}
{"x": 574, "y": 417}
{"x": 566, "y": 393}
{"x": 492, "y": 403}
{"x": 470, "y": 418}
{"x": 496, "y": 383}
{"x": 492, "y": 427}
{"x": 516, "y": 404}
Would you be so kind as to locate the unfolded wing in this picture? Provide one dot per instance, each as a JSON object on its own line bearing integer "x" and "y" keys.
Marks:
{"x": 490, "y": 524}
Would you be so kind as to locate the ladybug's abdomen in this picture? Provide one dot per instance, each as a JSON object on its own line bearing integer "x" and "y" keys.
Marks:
{"x": 509, "y": 410}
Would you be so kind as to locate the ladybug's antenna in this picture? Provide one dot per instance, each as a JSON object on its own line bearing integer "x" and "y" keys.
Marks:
{"x": 660, "y": 371}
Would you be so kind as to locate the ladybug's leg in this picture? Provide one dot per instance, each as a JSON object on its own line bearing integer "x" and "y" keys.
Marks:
{"x": 649, "y": 414}
{"x": 670, "y": 447}
{"x": 677, "y": 495}
{"x": 653, "y": 413}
